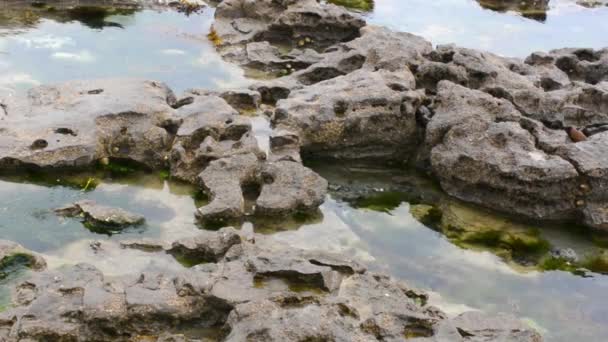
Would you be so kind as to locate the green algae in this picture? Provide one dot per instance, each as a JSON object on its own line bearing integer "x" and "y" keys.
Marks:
{"x": 383, "y": 202}
{"x": 473, "y": 228}
{"x": 597, "y": 263}
{"x": 15, "y": 262}
{"x": 362, "y": 5}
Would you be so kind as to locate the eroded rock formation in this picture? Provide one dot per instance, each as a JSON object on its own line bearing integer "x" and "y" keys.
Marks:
{"x": 238, "y": 284}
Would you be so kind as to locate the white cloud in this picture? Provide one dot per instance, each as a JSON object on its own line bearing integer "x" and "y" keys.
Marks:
{"x": 48, "y": 41}
{"x": 83, "y": 56}
{"x": 174, "y": 52}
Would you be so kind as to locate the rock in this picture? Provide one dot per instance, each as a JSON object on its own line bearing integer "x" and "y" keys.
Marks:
{"x": 224, "y": 180}
{"x": 488, "y": 156}
{"x": 207, "y": 247}
{"x": 12, "y": 253}
{"x": 208, "y": 129}
{"x": 533, "y": 9}
{"x": 309, "y": 295}
{"x": 74, "y": 124}
{"x": 362, "y": 115}
{"x": 101, "y": 217}
{"x": 475, "y": 326}
{"x": 287, "y": 188}
{"x": 567, "y": 254}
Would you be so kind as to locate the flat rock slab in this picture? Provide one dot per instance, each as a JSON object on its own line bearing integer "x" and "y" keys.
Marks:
{"x": 101, "y": 216}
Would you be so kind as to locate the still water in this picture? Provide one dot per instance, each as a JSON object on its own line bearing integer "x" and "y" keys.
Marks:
{"x": 173, "y": 48}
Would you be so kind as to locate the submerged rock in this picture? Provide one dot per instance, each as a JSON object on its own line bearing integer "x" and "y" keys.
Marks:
{"x": 309, "y": 295}
{"x": 100, "y": 217}
{"x": 12, "y": 254}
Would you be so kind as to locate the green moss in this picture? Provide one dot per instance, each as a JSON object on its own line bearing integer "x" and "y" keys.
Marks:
{"x": 428, "y": 215}
{"x": 164, "y": 174}
{"x": 556, "y": 264}
{"x": 363, "y": 5}
{"x": 597, "y": 263}
{"x": 471, "y": 227}
{"x": 117, "y": 167}
{"x": 382, "y": 202}
{"x": 188, "y": 261}
{"x": 13, "y": 263}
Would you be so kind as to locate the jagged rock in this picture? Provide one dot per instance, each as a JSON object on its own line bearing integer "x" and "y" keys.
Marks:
{"x": 224, "y": 180}
{"x": 308, "y": 295}
{"x": 285, "y": 188}
{"x": 498, "y": 164}
{"x": 207, "y": 247}
{"x": 362, "y": 115}
{"x": 208, "y": 129}
{"x": 483, "y": 151}
{"x": 284, "y": 145}
{"x": 76, "y": 123}
{"x": 288, "y": 187}
{"x": 99, "y": 216}
{"x": 296, "y": 23}
{"x": 586, "y": 65}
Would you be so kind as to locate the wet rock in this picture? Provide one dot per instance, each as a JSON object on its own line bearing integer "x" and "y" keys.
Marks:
{"x": 475, "y": 326}
{"x": 99, "y": 216}
{"x": 309, "y": 294}
{"x": 74, "y": 124}
{"x": 13, "y": 254}
{"x": 567, "y": 254}
{"x": 207, "y": 247}
{"x": 362, "y": 115}
{"x": 533, "y": 9}
{"x": 296, "y": 23}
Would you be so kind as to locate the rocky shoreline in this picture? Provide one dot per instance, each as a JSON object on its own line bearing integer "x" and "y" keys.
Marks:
{"x": 525, "y": 137}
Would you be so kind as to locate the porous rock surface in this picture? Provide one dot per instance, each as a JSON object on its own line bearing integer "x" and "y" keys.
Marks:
{"x": 493, "y": 130}
{"x": 81, "y": 124}
{"x": 238, "y": 286}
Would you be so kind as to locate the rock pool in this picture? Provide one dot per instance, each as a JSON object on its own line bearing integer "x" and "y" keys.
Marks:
{"x": 371, "y": 212}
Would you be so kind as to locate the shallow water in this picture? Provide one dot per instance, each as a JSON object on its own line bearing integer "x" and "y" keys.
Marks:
{"x": 173, "y": 48}
{"x": 165, "y": 46}
{"x": 466, "y": 23}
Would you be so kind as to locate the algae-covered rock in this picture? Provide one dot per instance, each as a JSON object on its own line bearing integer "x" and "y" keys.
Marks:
{"x": 362, "y": 5}
{"x": 13, "y": 255}
{"x": 470, "y": 227}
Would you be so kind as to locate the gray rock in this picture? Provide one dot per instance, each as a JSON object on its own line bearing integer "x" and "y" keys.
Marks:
{"x": 207, "y": 247}
{"x": 487, "y": 157}
{"x": 362, "y": 115}
{"x": 99, "y": 216}
{"x": 309, "y": 295}
{"x": 76, "y": 123}
{"x": 285, "y": 188}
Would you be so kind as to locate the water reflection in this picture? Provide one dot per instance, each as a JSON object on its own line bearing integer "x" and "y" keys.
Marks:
{"x": 532, "y": 9}
{"x": 389, "y": 239}
{"x": 466, "y": 23}
{"x": 78, "y": 44}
